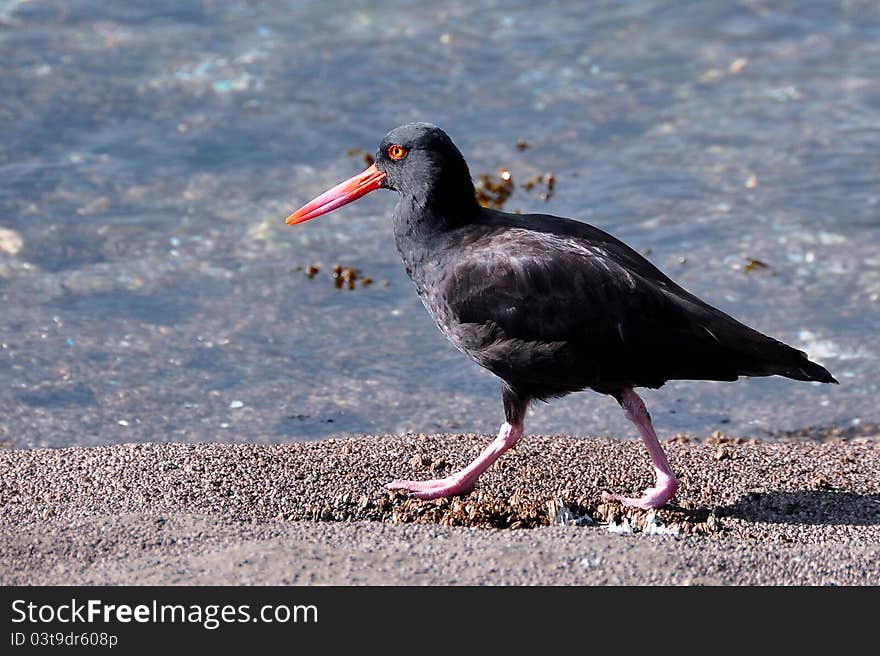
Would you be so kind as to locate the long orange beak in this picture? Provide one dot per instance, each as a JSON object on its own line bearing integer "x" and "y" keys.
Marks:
{"x": 341, "y": 194}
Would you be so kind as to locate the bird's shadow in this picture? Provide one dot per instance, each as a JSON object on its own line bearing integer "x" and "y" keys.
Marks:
{"x": 808, "y": 507}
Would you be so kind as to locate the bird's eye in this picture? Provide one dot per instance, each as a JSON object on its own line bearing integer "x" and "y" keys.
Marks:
{"x": 396, "y": 152}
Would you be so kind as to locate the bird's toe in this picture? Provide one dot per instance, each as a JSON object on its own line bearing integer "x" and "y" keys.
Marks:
{"x": 652, "y": 499}
{"x": 432, "y": 489}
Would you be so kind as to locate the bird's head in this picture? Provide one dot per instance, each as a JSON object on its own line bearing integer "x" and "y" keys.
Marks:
{"x": 417, "y": 159}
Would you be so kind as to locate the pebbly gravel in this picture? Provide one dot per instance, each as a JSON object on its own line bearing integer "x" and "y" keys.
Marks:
{"x": 793, "y": 513}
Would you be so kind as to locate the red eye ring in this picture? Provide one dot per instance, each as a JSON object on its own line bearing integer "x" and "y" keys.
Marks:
{"x": 396, "y": 152}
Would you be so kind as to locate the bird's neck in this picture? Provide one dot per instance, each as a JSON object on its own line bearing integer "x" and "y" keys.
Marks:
{"x": 420, "y": 226}
{"x": 425, "y": 221}
{"x": 436, "y": 206}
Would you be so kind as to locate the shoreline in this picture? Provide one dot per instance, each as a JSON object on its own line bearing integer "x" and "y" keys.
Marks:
{"x": 179, "y": 513}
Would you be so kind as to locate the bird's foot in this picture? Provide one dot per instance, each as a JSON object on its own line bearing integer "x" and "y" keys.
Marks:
{"x": 653, "y": 498}
{"x": 450, "y": 486}
{"x": 462, "y": 481}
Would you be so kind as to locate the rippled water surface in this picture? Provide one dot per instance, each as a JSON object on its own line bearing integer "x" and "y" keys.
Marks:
{"x": 149, "y": 152}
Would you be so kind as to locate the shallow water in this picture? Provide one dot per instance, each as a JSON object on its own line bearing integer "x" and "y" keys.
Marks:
{"x": 150, "y": 151}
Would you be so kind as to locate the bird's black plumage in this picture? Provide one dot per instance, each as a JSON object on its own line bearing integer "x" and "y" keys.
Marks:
{"x": 549, "y": 305}
{"x": 552, "y": 305}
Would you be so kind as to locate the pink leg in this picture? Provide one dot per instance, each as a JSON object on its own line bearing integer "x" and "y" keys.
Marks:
{"x": 665, "y": 485}
{"x": 462, "y": 482}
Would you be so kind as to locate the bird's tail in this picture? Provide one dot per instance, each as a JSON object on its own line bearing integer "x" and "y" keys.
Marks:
{"x": 809, "y": 370}
{"x": 766, "y": 356}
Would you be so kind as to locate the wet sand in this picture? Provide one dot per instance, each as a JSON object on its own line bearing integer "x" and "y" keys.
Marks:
{"x": 316, "y": 513}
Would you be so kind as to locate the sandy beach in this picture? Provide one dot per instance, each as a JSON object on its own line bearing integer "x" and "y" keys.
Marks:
{"x": 316, "y": 513}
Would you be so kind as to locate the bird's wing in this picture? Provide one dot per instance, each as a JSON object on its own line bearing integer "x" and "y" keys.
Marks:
{"x": 550, "y": 288}
{"x": 550, "y": 303}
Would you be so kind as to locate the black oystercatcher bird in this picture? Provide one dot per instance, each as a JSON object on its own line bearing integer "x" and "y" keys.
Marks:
{"x": 549, "y": 305}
